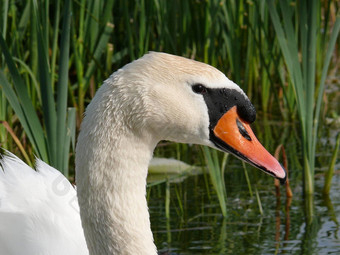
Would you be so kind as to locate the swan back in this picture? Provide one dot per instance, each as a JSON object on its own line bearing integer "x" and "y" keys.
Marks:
{"x": 39, "y": 212}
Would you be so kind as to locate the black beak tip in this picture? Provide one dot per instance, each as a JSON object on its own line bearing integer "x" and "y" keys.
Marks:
{"x": 284, "y": 179}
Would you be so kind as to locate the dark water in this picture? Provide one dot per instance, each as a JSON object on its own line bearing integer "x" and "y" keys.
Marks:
{"x": 199, "y": 227}
{"x": 195, "y": 224}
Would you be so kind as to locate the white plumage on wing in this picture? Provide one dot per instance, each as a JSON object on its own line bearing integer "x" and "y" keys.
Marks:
{"x": 39, "y": 211}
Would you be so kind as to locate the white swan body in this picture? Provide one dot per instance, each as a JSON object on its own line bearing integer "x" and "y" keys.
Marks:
{"x": 39, "y": 212}
{"x": 157, "y": 97}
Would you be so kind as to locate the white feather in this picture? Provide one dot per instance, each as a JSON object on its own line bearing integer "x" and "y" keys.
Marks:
{"x": 39, "y": 212}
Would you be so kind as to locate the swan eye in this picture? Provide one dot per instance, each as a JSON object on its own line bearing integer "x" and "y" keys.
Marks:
{"x": 199, "y": 89}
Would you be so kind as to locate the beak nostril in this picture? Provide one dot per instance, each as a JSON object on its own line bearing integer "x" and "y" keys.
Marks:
{"x": 242, "y": 130}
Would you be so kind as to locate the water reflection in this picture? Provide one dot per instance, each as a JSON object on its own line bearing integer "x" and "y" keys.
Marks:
{"x": 282, "y": 229}
{"x": 194, "y": 223}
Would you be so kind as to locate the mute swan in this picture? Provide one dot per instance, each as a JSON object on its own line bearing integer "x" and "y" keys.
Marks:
{"x": 157, "y": 97}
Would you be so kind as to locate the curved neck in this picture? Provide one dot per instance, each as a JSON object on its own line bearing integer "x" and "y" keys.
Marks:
{"x": 111, "y": 181}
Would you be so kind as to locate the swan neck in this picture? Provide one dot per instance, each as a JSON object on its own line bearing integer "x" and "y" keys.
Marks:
{"x": 111, "y": 179}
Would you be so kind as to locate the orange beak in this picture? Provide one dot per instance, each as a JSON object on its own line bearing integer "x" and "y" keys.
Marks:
{"x": 236, "y": 136}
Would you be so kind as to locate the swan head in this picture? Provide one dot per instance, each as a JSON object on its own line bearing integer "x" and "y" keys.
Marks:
{"x": 167, "y": 97}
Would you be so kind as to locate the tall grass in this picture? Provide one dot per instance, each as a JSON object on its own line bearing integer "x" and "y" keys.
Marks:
{"x": 216, "y": 172}
{"x": 330, "y": 171}
{"x": 298, "y": 43}
{"x": 89, "y": 42}
{"x": 59, "y": 122}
